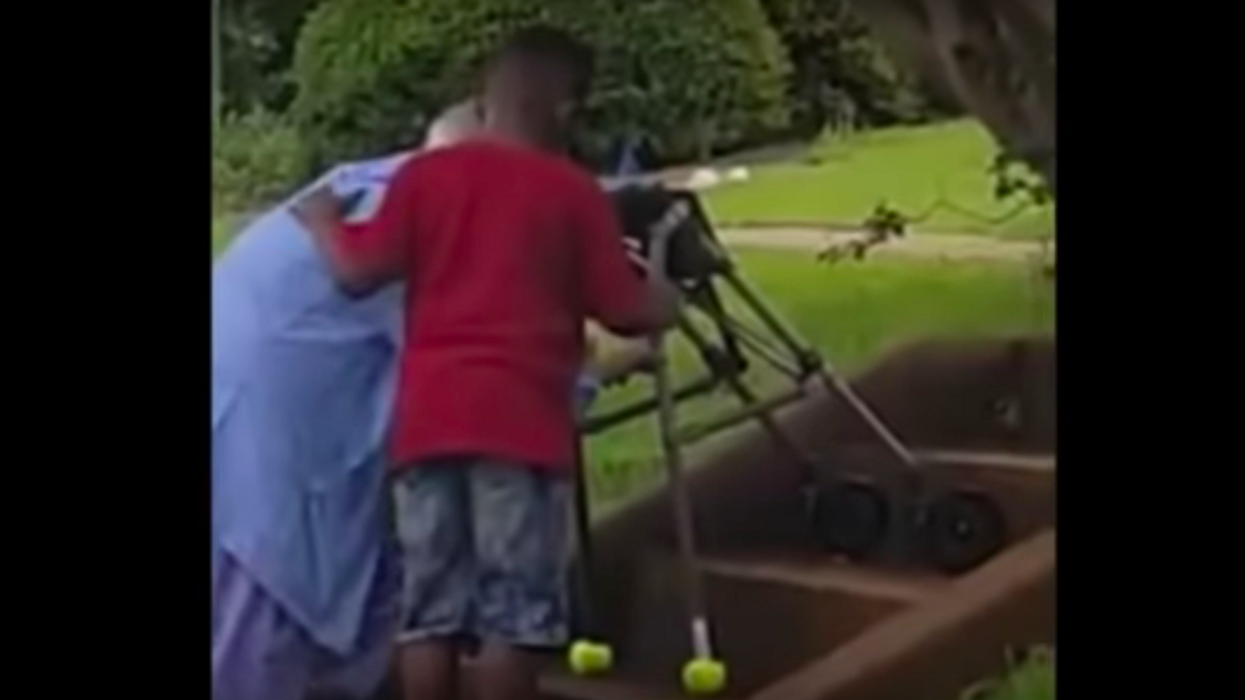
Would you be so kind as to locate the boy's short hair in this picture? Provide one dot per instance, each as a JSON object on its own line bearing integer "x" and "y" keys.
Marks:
{"x": 546, "y": 46}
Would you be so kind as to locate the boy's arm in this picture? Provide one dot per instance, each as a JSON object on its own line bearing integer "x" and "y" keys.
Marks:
{"x": 619, "y": 362}
{"x": 614, "y": 294}
{"x": 362, "y": 258}
{"x": 611, "y": 367}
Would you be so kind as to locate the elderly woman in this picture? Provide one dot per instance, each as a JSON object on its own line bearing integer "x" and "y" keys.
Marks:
{"x": 303, "y": 586}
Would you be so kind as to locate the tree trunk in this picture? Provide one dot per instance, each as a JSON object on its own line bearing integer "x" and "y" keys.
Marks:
{"x": 995, "y": 57}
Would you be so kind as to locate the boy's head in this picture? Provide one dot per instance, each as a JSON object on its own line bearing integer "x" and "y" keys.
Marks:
{"x": 534, "y": 85}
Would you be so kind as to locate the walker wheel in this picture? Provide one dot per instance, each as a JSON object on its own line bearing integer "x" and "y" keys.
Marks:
{"x": 849, "y": 518}
{"x": 963, "y": 529}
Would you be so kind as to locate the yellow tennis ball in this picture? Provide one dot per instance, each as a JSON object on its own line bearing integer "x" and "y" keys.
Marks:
{"x": 704, "y": 676}
{"x": 587, "y": 658}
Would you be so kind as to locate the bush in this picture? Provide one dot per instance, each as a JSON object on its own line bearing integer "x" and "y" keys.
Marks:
{"x": 842, "y": 74}
{"x": 691, "y": 75}
{"x": 256, "y": 157}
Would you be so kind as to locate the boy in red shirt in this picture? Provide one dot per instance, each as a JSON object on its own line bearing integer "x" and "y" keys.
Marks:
{"x": 507, "y": 248}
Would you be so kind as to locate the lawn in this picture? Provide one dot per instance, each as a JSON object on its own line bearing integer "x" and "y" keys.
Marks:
{"x": 852, "y": 312}
{"x": 223, "y": 228}
{"x": 841, "y": 180}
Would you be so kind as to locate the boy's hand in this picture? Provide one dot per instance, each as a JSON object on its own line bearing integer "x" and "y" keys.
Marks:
{"x": 318, "y": 210}
{"x": 665, "y": 303}
{"x": 621, "y": 362}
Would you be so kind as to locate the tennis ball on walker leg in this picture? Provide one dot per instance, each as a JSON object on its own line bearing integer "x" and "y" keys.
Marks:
{"x": 588, "y": 658}
{"x": 704, "y": 676}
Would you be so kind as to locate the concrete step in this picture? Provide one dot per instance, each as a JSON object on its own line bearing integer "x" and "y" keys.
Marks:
{"x": 821, "y": 574}
{"x": 557, "y": 682}
{"x": 1028, "y": 462}
{"x": 560, "y": 684}
{"x": 770, "y": 611}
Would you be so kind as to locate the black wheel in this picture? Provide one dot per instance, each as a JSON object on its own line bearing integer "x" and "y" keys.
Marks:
{"x": 963, "y": 530}
{"x": 849, "y": 518}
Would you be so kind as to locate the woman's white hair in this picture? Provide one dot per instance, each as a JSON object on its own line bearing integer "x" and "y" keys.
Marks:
{"x": 459, "y": 122}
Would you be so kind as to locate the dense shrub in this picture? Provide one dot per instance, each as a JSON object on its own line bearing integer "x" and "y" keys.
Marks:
{"x": 256, "y": 157}
{"x": 691, "y": 75}
{"x": 841, "y": 73}
{"x": 257, "y": 43}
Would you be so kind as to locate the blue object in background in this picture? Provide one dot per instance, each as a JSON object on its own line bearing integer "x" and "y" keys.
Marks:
{"x": 628, "y": 159}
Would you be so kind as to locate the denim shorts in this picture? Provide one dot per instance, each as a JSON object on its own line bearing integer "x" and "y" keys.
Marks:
{"x": 485, "y": 552}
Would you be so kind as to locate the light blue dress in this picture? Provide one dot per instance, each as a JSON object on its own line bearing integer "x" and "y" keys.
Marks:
{"x": 303, "y": 379}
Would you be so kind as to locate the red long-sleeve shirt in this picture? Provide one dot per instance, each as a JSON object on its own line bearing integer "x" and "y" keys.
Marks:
{"x": 506, "y": 251}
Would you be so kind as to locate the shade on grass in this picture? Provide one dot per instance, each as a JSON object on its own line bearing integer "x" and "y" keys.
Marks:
{"x": 841, "y": 181}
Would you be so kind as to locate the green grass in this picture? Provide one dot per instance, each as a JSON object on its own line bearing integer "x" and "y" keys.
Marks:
{"x": 223, "y": 228}
{"x": 851, "y": 312}
{"x": 1031, "y": 679}
{"x": 840, "y": 182}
